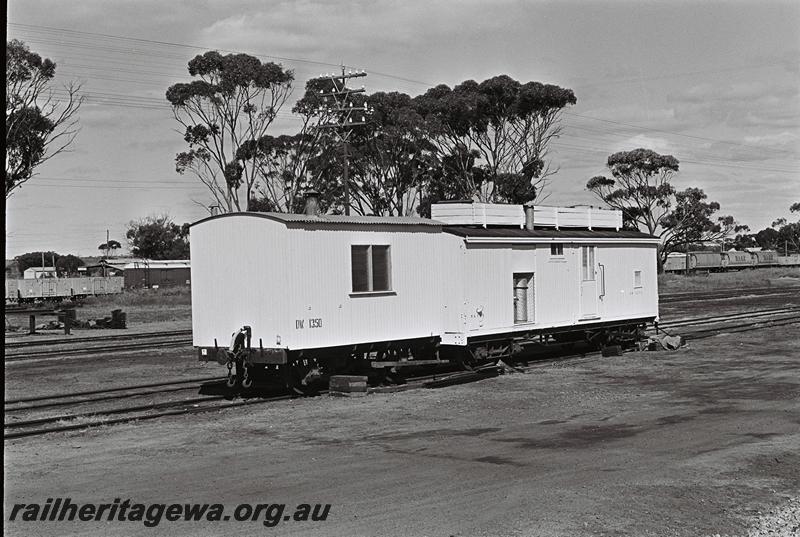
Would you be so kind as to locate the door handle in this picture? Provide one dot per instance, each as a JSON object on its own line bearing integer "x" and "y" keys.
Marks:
{"x": 602, "y": 280}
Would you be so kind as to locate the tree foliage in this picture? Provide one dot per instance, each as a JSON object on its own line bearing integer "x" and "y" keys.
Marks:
{"x": 109, "y": 247}
{"x": 504, "y": 126}
{"x": 68, "y": 264}
{"x": 783, "y": 236}
{"x": 158, "y": 237}
{"x": 692, "y": 221}
{"x": 788, "y": 233}
{"x": 640, "y": 187}
{"x": 39, "y": 125}
{"x": 231, "y": 104}
{"x": 34, "y": 259}
{"x": 393, "y": 157}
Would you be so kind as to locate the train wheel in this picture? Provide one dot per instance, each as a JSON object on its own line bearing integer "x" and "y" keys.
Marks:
{"x": 464, "y": 358}
{"x": 301, "y": 376}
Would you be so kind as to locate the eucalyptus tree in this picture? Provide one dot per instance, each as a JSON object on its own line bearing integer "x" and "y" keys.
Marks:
{"x": 788, "y": 232}
{"x": 498, "y": 133}
{"x": 293, "y": 163}
{"x": 41, "y": 121}
{"x": 640, "y": 187}
{"x": 158, "y": 237}
{"x": 693, "y": 221}
{"x": 395, "y": 157}
{"x": 233, "y": 101}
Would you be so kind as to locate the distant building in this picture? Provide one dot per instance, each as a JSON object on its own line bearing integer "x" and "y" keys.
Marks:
{"x": 146, "y": 272}
{"x": 34, "y": 273}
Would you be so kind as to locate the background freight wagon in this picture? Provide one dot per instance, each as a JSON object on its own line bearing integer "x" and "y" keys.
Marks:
{"x": 57, "y": 289}
{"x": 148, "y": 273}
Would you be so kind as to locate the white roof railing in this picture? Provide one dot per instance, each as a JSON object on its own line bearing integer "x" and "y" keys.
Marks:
{"x": 496, "y": 214}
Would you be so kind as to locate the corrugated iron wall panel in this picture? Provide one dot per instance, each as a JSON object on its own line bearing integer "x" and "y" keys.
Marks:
{"x": 622, "y": 298}
{"x": 293, "y": 286}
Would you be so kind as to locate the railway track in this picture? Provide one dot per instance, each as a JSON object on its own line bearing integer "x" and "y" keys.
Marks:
{"x": 724, "y": 294}
{"x": 119, "y": 392}
{"x": 692, "y": 321}
{"x": 57, "y": 348}
{"x": 113, "y": 337}
{"x": 726, "y": 324}
{"x": 83, "y": 419}
{"x": 77, "y": 421}
{"x": 150, "y": 342}
{"x": 78, "y": 418}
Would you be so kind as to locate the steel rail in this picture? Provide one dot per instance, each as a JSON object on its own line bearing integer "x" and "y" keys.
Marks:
{"x": 164, "y": 409}
{"x": 141, "y": 417}
{"x": 99, "y": 339}
{"x": 107, "y": 397}
{"x": 87, "y": 351}
{"x": 669, "y": 298}
{"x": 721, "y": 318}
{"x": 168, "y": 408}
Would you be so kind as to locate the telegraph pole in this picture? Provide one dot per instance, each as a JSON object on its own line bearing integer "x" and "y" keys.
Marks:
{"x": 339, "y": 118}
{"x": 107, "y": 250}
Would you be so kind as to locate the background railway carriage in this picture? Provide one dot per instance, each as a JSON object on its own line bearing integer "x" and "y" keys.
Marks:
{"x": 766, "y": 258}
{"x": 676, "y": 262}
{"x": 708, "y": 261}
{"x": 21, "y": 291}
{"x": 789, "y": 260}
{"x": 734, "y": 259}
{"x": 296, "y": 294}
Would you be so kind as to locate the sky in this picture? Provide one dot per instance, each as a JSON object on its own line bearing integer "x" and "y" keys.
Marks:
{"x": 715, "y": 84}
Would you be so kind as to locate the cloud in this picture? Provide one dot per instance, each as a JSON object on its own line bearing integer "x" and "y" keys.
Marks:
{"x": 775, "y": 103}
{"x": 647, "y": 141}
{"x": 336, "y": 31}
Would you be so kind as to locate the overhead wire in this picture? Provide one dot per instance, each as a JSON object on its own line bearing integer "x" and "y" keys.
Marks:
{"x": 141, "y": 41}
{"x": 121, "y": 55}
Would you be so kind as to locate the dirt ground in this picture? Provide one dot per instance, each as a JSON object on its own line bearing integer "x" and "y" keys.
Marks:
{"x": 691, "y": 442}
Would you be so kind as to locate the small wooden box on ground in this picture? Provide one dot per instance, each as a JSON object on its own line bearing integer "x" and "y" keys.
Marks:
{"x": 348, "y": 384}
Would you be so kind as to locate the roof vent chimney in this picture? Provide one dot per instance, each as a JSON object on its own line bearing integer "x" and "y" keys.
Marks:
{"x": 528, "y": 215}
{"x": 312, "y": 203}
